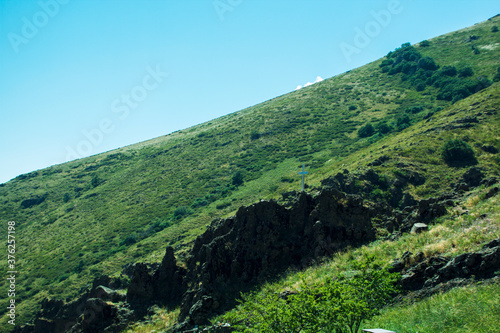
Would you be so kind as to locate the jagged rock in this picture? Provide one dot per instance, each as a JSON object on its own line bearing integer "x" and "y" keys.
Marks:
{"x": 156, "y": 284}
{"x": 491, "y": 193}
{"x": 264, "y": 239}
{"x": 379, "y": 161}
{"x": 419, "y": 227}
{"x": 434, "y": 271}
{"x": 473, "y": 176}
{"x": 430, "y": 209}
{"x": 140, "y": 291}
{"x": 407, "y": 201}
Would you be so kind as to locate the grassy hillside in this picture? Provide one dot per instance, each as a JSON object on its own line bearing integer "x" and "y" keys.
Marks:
{"x": 91, "y": 216}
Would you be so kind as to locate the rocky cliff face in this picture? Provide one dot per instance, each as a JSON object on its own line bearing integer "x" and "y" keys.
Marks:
{"x": 260, "y": 242}
{"x": 265, "y": 239}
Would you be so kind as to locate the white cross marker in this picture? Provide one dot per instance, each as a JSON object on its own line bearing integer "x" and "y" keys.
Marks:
{"x": 303, "y": 173}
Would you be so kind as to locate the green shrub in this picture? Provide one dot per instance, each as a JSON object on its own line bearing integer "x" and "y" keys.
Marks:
{"x": 180, "y": 212}
{"x": 425, "y": 43}
{"x": 497, "y": 75}
{"x": 286, "y": 179}
{"x": 449, "y": 71}
{"x": 254, "y": 135}
{"x": 403, "y": 122}
{"x": 494, "y": 28}
{"x": 223, "y": 205}
{"x": 465, "y": 72}
{"x": 383, "y": 128}
{"x": 96, "y": 181}
{"x": 237, "y": 179}
{"x": 366, "y": 131}
{"x": 335, "y": 305}
{"x": 129, "y": 240}
{"x": 414, "y": 109}
{"x": 457, "y": 152}
{"x": 427, "y": 63}
{"x": 66, "y": 197}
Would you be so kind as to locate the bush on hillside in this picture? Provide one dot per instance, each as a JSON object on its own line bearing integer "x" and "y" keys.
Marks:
{"x": 237, "y": 179}
{"x": 466, "y": 72}
{"x": 497, "y": 76}
{"x": 180, "y": 212}
{"x": 457, "y": 152}
{"x": 335, "y": 305}
{"x": 425, "y": 43}
{"x": 427, "y": 63}
{"x": 383, "y": 128}
{"x": 366, "y": 131}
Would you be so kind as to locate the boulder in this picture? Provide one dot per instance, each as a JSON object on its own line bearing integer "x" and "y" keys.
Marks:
{"x": 419, "y": 227}
{"x": 473, "y": 177}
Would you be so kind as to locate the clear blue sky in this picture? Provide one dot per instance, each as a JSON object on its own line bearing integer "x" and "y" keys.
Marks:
{"x": 80, "y": 77}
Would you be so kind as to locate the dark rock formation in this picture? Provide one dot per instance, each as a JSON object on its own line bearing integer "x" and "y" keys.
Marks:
{"x": 91, "y": 312}
{"x": 163, "y": 284}
{"x": 473, "y": 177}
{"x": 265, "y": 239}
{"x": 262, "y": 241}
{"x": 426, "y": 275}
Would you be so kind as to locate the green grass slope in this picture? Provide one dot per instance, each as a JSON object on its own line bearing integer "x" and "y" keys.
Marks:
{"x": 465, "y": 228}
{"x": 91, "y": 216}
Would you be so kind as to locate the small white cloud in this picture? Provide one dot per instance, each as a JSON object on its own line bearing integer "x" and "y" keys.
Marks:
{"x": 318, "y": 79}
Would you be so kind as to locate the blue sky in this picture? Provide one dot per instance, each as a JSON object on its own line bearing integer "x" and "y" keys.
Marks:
{"x": 80, "y": 77}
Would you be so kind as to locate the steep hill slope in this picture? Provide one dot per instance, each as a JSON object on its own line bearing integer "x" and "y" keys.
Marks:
{"x": 91, "y": 216}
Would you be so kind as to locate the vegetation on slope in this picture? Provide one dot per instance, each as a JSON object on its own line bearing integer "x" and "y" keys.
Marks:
{"x": 91, "y": 216}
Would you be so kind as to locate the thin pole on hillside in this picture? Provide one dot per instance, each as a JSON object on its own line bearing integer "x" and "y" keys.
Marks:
{"x": 303, "y": 173}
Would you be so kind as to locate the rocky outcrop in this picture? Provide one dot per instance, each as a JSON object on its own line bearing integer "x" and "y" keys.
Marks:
{"x": 98, "y": 309}
{"x": 265, "y": 239}
{"x": 163, "y": 284}
{"x": 425, "y": 276}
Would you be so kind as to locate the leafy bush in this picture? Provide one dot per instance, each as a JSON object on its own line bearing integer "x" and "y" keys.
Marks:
{"x": 237, "y": 179}
{"x": 180, "y": 212}
{"x": 254, "y": 135}
{"x": 497, "y": 76}
{"x": 96, "y": 181}
{"x": 66, "y": 197}
{"x": 425, "y": 43}
{"x": 199, "y": 202}
{"x": 427, "y": 63}
{"x": 366, "y": 131}
{"x": 286, "y": 179}
{"x": 449, "y": 71}
{"x": 494, "y": 28}
{"x": 129, "y": 240}
{"x": 403, "y": 122}
{"x": 414, "y": 109}
{"x": 223, "y": 205}
{"x": 465, "y": 72}
{"x": 336, "y": 305}
{"x": 457, "y": 152}
{"x": 383, "y": 128}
